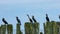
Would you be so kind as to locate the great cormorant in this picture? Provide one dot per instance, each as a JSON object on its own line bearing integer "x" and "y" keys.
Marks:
{"x": 18, "y": 20}
{"x": 34, "y": 19}
{"x": 41, "y": 33}
{"x": 29, "y": 19}
{"x": 3, "y": 19}
{"x": 59, "y": 16}
{"x": 47, "y": 18}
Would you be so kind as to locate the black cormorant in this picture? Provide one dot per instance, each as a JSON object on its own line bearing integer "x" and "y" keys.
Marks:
{"x": 29, "y": 19}
{"x": 3, "y": 19}
{"x": 18, "y": 20}
{"x": 34, "y": 19}
{"x": 41, "y": 33}
{"x": 47, "y": 18}
{"x": 59, "y": 16}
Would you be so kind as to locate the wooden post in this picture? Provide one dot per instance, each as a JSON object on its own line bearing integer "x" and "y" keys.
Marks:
{"x": 9, "y": 29}
{"x": 3, "y": 29}
{"x": 44, "y": 28}
{"x": 18, "y": 31}
{"x": 31, "y": 28}
{"x": 0, "y": 29}
{"x": 51, "y": 27}
{"x": 36, "y": 28}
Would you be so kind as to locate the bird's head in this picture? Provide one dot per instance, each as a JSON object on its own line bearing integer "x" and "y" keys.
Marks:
{"x": 27, "y": 15}
{"x": 33, "y": 16}
{"x": 16, "y": 16}
{"x": 3, "y": 19}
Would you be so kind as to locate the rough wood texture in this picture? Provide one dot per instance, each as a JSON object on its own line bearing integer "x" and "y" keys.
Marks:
{"x": 0, "y": 29}
{"x": 10, "y": 29}
{"x": 18, "y": 31}
{"x": 50, "y": 28}
{"x": 3, "y": 29}
{"x": 36, "y": 28}
{"x": 31, "y": 28}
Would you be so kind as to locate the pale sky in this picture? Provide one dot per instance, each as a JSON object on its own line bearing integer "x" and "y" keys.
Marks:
{"x": 12, "y": 8}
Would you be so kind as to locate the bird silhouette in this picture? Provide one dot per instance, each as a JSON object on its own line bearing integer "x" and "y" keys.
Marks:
{"x": 47, "y": 18}
{"x": 18, "y": 20}
{"x": 59, "y": 16}
{"x": 41, "y": 33}
{"x": 29, "y": 19}
{"x": 3, "y": 19}
{"x": 34, "y": 19}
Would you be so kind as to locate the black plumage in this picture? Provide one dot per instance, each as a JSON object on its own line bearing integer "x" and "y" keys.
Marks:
{"x": 3, "y": 19}
{"x": 47, "y": 18}
{"x": 41, "y": 33}
{"x": 18, "y": 20}
{"x": 59, "y": 16}
{"x": 34, "y": 19}
{"x": 29, "y": 19}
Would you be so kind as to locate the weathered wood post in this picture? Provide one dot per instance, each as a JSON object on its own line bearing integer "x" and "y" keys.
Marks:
{"x": 3, "y": 29}
{"x": 0, "y": 29}
{"x": 51, "y": 27}
{"x": 28, "y": 28}
{"x": 31, "y": 28}
{"x": 18, "y": 28}
{"x": 18, "y": 31}
{"x": 9, "y": 29}
{"x": 36, "y": 28}
{"x": 44, "y": 28}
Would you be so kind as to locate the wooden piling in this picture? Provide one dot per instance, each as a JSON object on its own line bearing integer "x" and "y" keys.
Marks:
{"x": 0, "y": 29}
{"x": 18, "y": 31}
{"x": 36, "y": 28}
{"x": 9, "y": 29}
{"x": 28, "y": 28}
{"x": 31, "y": 28}
{"x": 3, "y": 29}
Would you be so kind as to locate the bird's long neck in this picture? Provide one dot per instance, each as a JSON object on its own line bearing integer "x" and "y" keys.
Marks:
{"x": 17, "y": 18}
{"x": 33, "y": 17}
{"x": 28, "y": 17}
{"x": 46, "y": 15}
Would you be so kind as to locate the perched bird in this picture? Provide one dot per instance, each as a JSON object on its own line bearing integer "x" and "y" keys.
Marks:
{"x": 59, "y": 16}
{"x": 47, "y": 18}
{"x": 34, "y": 19}
{"x": 18, "y": 20}
{"x": 29, "y": 19}
{"x": 3, "y": 19}
{"x": 41, "y": 33}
